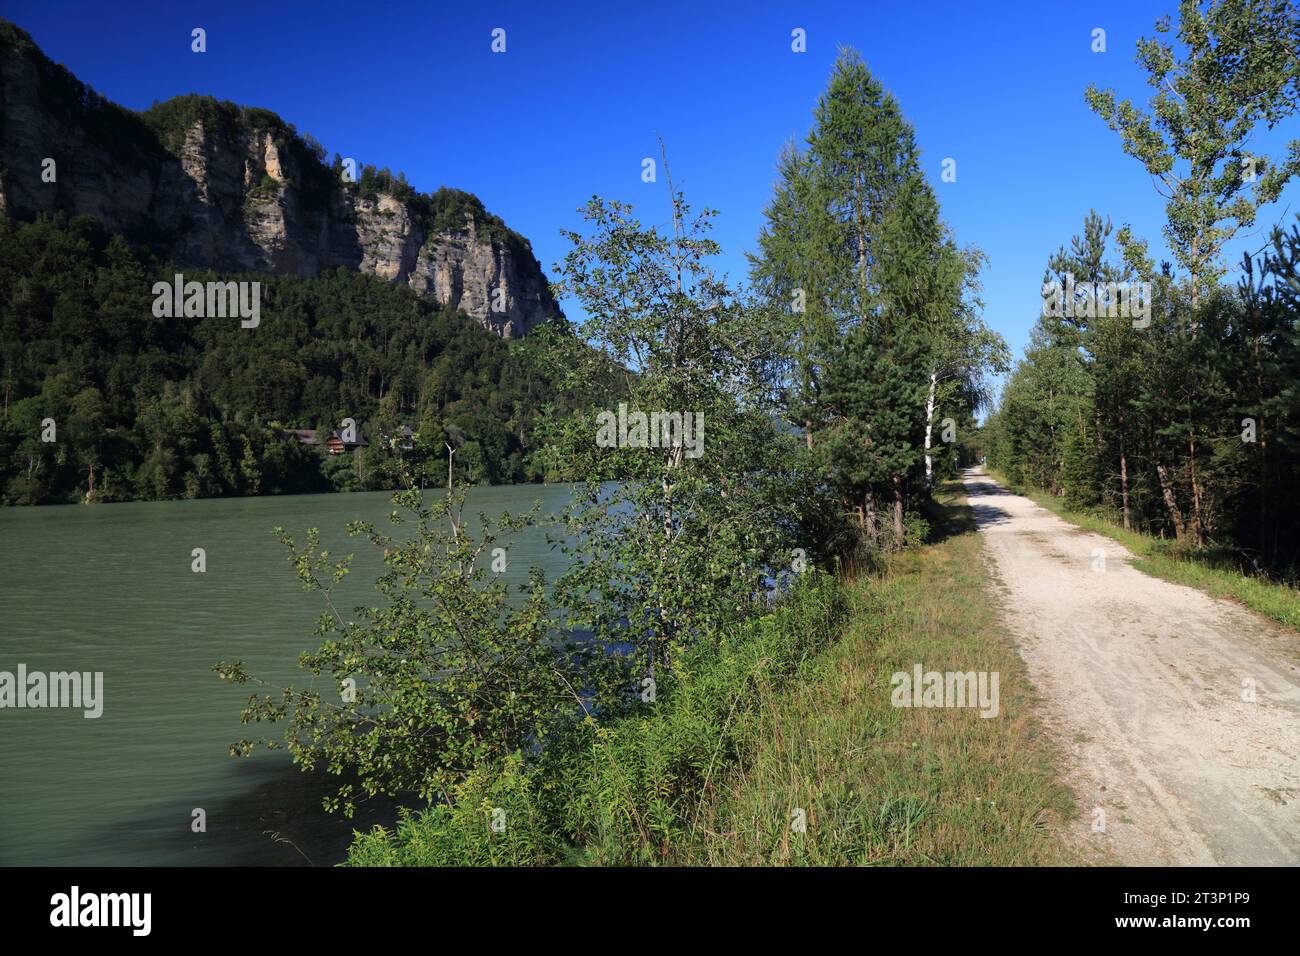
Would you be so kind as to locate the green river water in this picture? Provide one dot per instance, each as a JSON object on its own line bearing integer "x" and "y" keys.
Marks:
{"x": 110, "y": 588}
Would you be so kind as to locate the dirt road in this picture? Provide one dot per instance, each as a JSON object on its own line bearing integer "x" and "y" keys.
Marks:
{"x": 1147, "y": 688}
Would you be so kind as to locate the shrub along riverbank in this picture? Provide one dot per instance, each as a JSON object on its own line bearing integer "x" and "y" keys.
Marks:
{"x": 629, "y": 791}
{"x": 791, "y": 713}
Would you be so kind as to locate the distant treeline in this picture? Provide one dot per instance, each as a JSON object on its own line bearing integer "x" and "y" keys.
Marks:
{"x": 1180, "y": 429}
{"x": 159, "y": 408}
{"x": 1181, "y": 421}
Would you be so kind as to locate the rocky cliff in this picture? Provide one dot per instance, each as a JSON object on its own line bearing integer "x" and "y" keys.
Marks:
{"x": 209, "y": 184}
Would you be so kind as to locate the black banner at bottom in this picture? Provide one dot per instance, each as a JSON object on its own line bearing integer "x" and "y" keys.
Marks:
{"x": 1225, "y": 906}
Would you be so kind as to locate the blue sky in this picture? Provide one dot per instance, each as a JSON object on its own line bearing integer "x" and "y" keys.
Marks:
{"x": 578, "y": 98}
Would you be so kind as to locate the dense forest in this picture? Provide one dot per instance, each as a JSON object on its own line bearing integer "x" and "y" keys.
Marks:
{"x": 146, "y": 407}
{"x": 1183, "y": 432}
{"x": 1182, "y": 422}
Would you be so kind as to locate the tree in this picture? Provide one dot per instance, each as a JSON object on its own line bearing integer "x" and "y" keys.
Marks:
{"x": 794, "y": 270}
{"x": 1239, "y": 68}
{"x": 855, "y": 251}
{"x": 85, "y": 429}
{"x": 703, "y": 510}
{"x": 446, "y": 676}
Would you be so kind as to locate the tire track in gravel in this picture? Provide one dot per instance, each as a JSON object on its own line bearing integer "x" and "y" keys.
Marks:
{"x": 1144, "y": 684}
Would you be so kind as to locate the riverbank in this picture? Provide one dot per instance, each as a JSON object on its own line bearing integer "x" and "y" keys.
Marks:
{"x": 784, "y": 746}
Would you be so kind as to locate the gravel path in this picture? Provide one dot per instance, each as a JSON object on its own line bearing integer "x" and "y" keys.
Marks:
{"x": 1144, "y": 684}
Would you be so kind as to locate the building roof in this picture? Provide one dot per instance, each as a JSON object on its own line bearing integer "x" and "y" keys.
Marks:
{"x": 310, "y": 436}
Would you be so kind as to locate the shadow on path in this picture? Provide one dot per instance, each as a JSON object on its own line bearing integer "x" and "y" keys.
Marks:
{"x": 978, "y": 486}
{"x": 989, "y": 514}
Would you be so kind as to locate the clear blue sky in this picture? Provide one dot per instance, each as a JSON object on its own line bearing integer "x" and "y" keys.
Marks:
{"x": 576, "y": 102}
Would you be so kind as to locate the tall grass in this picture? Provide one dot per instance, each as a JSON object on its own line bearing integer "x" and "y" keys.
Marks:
{"x": 880, "y": 785}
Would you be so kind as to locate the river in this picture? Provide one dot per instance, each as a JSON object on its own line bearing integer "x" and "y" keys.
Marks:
{"x": 110, "y": 588}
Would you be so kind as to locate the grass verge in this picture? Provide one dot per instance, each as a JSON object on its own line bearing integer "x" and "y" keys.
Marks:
{"x": 1162, "y": 558}
{"x": 908, "y": 786}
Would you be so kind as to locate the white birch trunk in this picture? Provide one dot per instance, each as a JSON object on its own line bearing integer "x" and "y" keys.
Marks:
{"x": 929, "y": 428}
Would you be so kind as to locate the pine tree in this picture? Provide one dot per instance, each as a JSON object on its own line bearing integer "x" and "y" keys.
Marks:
{"x": 855, "y": 250}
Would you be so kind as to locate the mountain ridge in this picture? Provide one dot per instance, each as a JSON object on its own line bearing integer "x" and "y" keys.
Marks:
{"x": 210, "y": 184}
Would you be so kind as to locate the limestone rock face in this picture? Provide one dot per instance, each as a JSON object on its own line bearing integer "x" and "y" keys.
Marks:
{"x": 483, "y": 279}
{"x": 212, "y": 185}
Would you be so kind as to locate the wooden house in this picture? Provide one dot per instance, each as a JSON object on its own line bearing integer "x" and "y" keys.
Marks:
{"x": 334, "y": 443}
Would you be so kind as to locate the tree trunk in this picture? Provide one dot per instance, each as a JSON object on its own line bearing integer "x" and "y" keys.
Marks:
{"x": 1198, "y": 522}
{"x": 1123, "y": 475}
{"x": 898, "y": 512}
{"x": 1167, "y": 492}
{"x": 869, "y": 523}
{"x": 929, "y": 426}
{"x": 1196, "y": 296}
{"x": 1264, "y": 552}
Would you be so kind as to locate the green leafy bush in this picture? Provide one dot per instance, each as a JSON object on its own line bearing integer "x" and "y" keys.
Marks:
{"x": 623, "y": 792}
{"x": 444, "y": 677}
